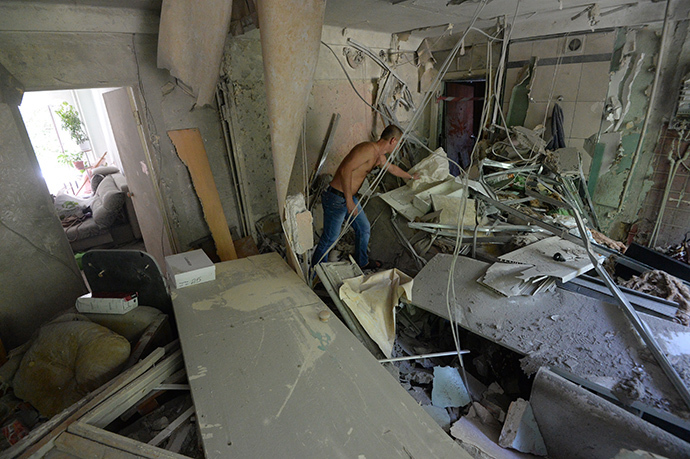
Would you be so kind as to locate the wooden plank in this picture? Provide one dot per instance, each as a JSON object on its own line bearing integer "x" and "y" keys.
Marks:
{"x": 121, "y": 401}
{"x": 190, "y": 149}
{"x": 259, "y": 360}
{"x": 84, "y": 448}
{"x": 152, "y": 331}
{"x": 119, "y": 442}
{"x": 148, "y": 404}
{"x": 41, "y": 438}
{"x": 165, "y": 433}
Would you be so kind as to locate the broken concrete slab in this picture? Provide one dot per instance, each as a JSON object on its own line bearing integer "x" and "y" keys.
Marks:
{"x": 520, "y": 430}
{"x": 448, "y": 389}
{"x": 595, "y": 344}
{"x": 576, "y": 423}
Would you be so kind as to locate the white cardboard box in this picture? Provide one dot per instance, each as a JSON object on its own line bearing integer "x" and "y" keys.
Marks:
{"x": 107, "y": 303}
{"x": 189, "y": 268}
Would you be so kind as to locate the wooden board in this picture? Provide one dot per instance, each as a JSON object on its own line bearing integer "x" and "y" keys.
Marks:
{"x": 190, "y": 149}
{"x": 269, "y": 379}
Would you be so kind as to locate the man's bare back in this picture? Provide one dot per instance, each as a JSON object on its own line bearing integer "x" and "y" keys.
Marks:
{"x": 357, "y": 164}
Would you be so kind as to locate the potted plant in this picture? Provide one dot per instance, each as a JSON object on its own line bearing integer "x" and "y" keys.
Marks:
{"x": 71, "y": 122}
{"x": 75, "y": 159}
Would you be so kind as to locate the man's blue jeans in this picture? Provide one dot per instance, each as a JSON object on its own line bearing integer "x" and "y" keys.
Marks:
{"x": 334, "y": 213}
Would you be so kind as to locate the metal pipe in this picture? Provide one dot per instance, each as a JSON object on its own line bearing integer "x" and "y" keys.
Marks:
{"x": 423, "y": 356}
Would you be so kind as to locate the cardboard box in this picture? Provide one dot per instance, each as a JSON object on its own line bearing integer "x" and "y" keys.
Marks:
{"x": 189, "y": 268}
{"x": 107, "y": 303}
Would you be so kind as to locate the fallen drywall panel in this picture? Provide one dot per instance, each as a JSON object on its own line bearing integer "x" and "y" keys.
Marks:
{"x": 270, "y": 379}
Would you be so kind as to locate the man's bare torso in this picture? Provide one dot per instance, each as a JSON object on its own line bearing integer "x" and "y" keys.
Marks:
{"x": 364, "y": 153}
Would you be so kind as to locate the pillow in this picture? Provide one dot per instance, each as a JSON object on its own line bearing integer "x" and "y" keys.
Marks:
{"x": 67, "y": 205}
{"x": 95, "y": 181}
{"x": 104, "y": 170}
{"x": 107, "y": 203}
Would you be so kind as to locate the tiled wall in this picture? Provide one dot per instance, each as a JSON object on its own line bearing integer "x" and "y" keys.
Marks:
{"x": 577, "y": 81}
{"x": 676, "y": 219}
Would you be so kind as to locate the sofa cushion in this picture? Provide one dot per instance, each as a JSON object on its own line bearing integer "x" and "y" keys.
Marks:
{"x": 107, "y": 202}
{"x": 105, "y": 170}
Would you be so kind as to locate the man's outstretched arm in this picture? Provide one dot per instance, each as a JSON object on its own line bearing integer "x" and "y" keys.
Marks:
{"x": 395, "y": 170}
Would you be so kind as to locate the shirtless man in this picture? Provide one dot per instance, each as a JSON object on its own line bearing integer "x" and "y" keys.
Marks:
{"x": 339, "y": 198}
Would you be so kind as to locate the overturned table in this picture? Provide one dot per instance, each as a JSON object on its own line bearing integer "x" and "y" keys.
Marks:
{"x": 269, "y": 379}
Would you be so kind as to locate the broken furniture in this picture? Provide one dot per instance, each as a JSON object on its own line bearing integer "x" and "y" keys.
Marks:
{"x": 112, "y": 220}
{"x": 586, "y": 340}
{"x": 80, "y": 430}
{"x": 128, "y": 271}
{"x": 259, "y": 359}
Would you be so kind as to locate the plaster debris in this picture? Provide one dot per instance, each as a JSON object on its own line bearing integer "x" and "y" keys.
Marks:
{"x": 520, "y": 430}
{"x": 298, "y": 224}
{"x": 449, "y": 389}
{"x": 440, "y": 415}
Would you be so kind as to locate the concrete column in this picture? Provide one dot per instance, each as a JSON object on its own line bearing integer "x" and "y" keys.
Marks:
{"x": 290, "y": 37}
{"x": 38, "y": 274}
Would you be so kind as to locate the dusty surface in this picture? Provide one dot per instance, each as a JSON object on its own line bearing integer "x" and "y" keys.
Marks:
{"x": 582, "y": 336}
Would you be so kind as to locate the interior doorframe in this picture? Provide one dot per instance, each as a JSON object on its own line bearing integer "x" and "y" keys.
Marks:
{"x": 441, "y": 111}
{"x": 144, "y": 136}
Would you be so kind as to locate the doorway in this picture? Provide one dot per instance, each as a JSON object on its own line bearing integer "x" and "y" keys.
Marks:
{"x": 461, "y": 120}
{"x": 103, "y": 190}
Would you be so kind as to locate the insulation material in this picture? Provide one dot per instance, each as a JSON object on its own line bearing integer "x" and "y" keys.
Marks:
{"x": 66, "y": 361}
{"x": 190, "y": 43}
{"x": 298, "y": 224}
{"x": 290, "y": 40}
{"x": 373, "y": 299}
{"x": 434, "y": 168}
{"x": 663, "y": 285}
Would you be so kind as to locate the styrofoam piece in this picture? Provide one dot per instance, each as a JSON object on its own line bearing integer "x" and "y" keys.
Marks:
{"x": 451, "y": 207}
{"x": 520, "y": 430}
{"x": 448, "y": 389}
{"x": 541, "y": 256}
{"x": 112, "y": 303}
{"x": 189, "y": 268}
{"x": 401, "y": 198}
{"x": 422, "y": 200}
{"x": 440, "y": 415}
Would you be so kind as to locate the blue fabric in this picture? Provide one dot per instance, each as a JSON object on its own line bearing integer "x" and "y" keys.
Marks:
{"x": 334, "y": 213}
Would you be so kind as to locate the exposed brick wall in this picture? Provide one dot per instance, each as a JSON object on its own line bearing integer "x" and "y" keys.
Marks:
{"x": 676, "y": 219}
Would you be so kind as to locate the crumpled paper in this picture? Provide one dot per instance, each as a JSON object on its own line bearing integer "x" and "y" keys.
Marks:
{"x": 434, "y": 168}
{"x": 372, "y": 299}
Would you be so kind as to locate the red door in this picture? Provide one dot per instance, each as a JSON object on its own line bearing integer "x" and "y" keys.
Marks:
{"x": 459, "y": 125}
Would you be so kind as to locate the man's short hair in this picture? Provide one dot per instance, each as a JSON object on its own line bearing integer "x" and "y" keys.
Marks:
{"x": 391, "y": 131}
